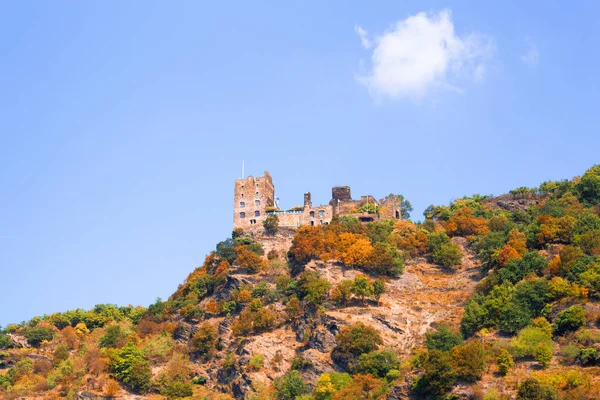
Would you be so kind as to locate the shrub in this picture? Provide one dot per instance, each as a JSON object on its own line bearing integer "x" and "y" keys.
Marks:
{"x": 531, "y": 389}
{"x": 528, "y": 340}
{"x": 271, "y": 224}
{"x": 205, "y": 339}
{"x": 36, "y": 335}
{"x": 362, "y": 287}
{"x": 199, "y": 380}
{"x": 449, "y": 255}
{"x": 358, "y": 339}
{"x": 543, "y": 354}
{"x": 504, "y": 361}
{"x": 290, "y": 385}
{"x": 342, "y": 293}
{"x": 588, "y": 356}
{"x": 439, "y": 375}
{"x": 131, "y": 367}
{"x": 469, "y": 360}
{"x": 114, "y": 337}
{"x": 570, "y": 319}
{"x": 5, "y": 341}
{"x": 256, "y": 361}
{"x": 330, "y": 383}
{"x": 442, "y": 339}
{"x": 377, "y": 363}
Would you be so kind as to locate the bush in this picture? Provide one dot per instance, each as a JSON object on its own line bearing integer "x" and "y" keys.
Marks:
{"x": 199, "y": 380}
{"x": 131, "y": 367}
{"x": 570, "y": 319}
{"x": 36, "y": 335}
{"x": 377, "y": 363}
{"x": 205, "y": 339}
{"x": 358, "y": 339}
{"x": 531, "y": 389}
{"x": 290, "y": 385}
{"x": 528, "y": 340}
{"x": 271, "y": 224}
{"x": 504, "y": 362}
{"x": 469, "y": 360}
{"x": 114, "y": 337}
{"x": 256, "y": 361}
{"x": 449, "y": 255}
{"x": 543, "y": 354}
{"x": 5, "y": 341}
{"x": 442, "y": 339}
{"x": 439, "y": 375}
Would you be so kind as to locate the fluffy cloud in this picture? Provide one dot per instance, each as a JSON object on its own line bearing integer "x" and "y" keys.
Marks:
{"x": 423, "y": 53}
{"x": 531, "y": 58}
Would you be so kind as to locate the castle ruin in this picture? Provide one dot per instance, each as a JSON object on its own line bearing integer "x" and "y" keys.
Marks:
{"x": 254, "y": 200}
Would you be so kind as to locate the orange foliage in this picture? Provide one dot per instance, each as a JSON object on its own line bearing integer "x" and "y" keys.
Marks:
{"x": 244, "y": 296}
{"x": 248, "y": 260}
{"x": 507, "y": 253}
{"x": 416, "y": 244}
{"x": 355, "y": 249}
{"x": 518, "y": 241}
{"x": 308, "y": 243}
{"x": 555, "y": 265}
{"x": 464, "y": 223}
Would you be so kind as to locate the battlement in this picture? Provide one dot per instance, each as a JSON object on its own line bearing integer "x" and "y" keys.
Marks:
{"x": 254, "y": 199}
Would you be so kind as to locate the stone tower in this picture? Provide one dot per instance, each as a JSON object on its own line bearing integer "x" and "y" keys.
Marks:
{"x": 251, "y": 198}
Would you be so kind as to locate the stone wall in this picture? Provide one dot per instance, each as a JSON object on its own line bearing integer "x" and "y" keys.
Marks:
{"x": 251, "y": 197}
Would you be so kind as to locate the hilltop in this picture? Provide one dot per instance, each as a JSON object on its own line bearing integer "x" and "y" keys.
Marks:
{"x": 488, "y": 298}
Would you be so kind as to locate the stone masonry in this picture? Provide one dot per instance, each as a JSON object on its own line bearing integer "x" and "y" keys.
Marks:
{"x": 254, "y": 200}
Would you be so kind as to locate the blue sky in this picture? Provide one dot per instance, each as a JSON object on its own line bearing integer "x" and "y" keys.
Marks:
{"x": 124, "y": 124}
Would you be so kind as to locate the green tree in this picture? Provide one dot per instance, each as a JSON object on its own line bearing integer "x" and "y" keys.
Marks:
{"x": 362, "y": 287}
{"x": 442, "y": 339}
{"x": 449, "y": 255}
{"x": 531, "y": 389}
{"x": 271, "y": 224}
{"x": 358, "y": 339}
{"x": 469, "y": 360}
{"x": 377, "y": 363}
{"x": 36, "y": 335}
{"x": 504, "y": 361}
{"x": 439, "y": 374}
{"x": 290, "y": 386}
{"x": 131, "y": 367}
{"x": 543, "y": 354}
{"x": 589, "y": 186}
{"x": 378, "y": 288}
{"x": 570, "y": 319}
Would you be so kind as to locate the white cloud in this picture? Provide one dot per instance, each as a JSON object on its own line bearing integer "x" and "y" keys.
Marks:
{"x": 423, "y": 53}
{"x": 531, "y": 58}
{"x": 364, "y": 41}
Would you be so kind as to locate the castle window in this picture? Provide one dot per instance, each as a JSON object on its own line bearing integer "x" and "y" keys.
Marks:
{"x": 312, "y": 223}
{"x": 242, "y": 204}
{"x": 321, "y": 222}
{"x": 321, "y": 213}
{"x": 242, "y": 215}
{"x": 256, "y": 194}
{"x": 242, "y": 186}
{"x": 397, "y": 214}
{"x": 257, "y": 202}
{"x": 257, "y": 213}
{"x": 242, "y": 195}
{"x": 252, "y": 221}
{"x": 312, "y": 214}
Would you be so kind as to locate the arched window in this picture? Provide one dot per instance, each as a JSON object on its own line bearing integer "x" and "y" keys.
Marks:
{"x": 257, "y": 202}
{"x": 242, "y": 215}
{"x": 242, "y": 204}
{"x": 257, "y": 213}
{"x": 321, "y": 213}
{"x": 312, "y": 214}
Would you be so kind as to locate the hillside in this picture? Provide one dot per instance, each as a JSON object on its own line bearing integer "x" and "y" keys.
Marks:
{"x": 488, "y": 298}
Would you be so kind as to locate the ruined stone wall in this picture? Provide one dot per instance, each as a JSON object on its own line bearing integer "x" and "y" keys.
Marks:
{"x": 320, "y": 215}
{"x": 290, "y": 220}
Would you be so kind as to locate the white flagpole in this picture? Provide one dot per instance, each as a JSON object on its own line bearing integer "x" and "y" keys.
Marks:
{"x": 242, "y": 169}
